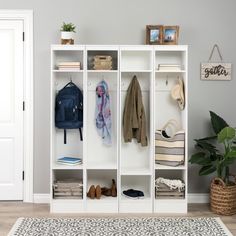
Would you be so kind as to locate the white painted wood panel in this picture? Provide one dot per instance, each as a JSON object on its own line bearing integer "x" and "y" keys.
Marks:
{"x": 11, "y": 110}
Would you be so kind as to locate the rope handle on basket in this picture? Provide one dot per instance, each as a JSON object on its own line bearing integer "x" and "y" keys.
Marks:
{"x": 219, "y": 180}
{"x": 212, "y": 51}
{"x": 172, "y": 122}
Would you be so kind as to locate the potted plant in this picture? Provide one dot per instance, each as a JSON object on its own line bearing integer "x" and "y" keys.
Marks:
{"x": 67, "y": 33}
{"x": 215, "y": 154}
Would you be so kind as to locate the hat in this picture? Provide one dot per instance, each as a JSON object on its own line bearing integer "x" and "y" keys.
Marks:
{"x": 177, "y": 93}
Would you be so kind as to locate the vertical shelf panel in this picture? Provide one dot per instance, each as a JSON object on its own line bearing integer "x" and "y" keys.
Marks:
{"x": 168, "y": 108}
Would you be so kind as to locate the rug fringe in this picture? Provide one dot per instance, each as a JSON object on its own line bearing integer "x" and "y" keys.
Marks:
{"x": 15, "y": 226}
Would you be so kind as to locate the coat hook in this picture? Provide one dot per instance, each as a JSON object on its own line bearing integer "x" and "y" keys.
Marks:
{"x": 167, "y": 80}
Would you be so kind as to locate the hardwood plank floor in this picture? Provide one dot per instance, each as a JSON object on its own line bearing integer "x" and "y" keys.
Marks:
{"x": 10, "y": 211}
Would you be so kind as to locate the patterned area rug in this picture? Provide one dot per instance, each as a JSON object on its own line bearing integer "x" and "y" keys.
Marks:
{"x": 119, "y": 227}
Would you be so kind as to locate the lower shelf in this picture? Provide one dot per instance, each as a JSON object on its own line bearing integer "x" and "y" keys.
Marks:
{"x": 135, "y": 205}
{"x": 67, "y": 205}
{"x": 170, "y": 206}
{"x": 102, "y": 205}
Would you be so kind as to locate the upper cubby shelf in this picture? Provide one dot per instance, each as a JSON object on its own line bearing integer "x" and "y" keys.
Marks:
{"x": 108, "y": 58}
{"x": 136, "y": 61}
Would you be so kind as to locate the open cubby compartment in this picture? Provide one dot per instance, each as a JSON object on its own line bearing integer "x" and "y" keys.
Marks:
{"x": 68, "y": 56}
{"x": 166, "y": 108}
{"x": 136, "y": 59}
{"x": 137, "y": 182}
{"x": 135, "y": 159}
{"x": 170, "y": 57}
{"x": 171, "y": 205}
{"x": 100, "y": 155}
{"x": 172, "y": 174}
{"x": 67, "y": 205}
{"x": 103, "y": 178}
{"x": 73, "y": 146}
{"x": 102, "y": 51}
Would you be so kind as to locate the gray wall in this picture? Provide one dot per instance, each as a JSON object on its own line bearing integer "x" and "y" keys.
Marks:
{"x": 202, "y": 23}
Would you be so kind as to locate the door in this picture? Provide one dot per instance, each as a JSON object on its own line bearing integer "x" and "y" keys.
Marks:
{"x": 11, "y": 112}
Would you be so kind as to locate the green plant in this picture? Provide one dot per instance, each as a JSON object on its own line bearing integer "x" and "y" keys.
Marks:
{"x": 217, "y": 152}
{"x": 68, "y": 27}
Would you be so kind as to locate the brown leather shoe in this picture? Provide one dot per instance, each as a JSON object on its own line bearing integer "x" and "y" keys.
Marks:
{"x": 106, "y": 191}
{"x": 98, "y": 192}
{"x": 113, "y": 189}
{"x": 91, "y": 192}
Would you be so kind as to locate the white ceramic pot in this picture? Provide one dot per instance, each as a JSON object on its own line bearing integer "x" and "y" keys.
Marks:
{"x": 67, "y": 35}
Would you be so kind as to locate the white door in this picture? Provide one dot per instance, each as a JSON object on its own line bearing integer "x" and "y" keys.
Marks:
{"x": 11, "y": 112}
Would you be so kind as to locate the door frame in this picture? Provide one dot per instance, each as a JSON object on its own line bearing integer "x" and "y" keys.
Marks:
{"x": 28, "y": 134}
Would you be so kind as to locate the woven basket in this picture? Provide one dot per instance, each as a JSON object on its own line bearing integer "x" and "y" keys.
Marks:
{"x": 223, "y": 197}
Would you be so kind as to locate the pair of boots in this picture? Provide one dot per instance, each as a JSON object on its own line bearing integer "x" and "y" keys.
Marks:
{"x": 94, "y": 192}
{"x": 98, "y": 191}
{"x": 110, "y": 191}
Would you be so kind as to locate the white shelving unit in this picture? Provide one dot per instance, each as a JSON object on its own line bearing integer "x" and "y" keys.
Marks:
{"x": 131, "y": 165}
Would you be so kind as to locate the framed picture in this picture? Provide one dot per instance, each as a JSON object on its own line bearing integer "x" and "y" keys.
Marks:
{"x": 154, "y": 34}
{"x": 170, "y": 34}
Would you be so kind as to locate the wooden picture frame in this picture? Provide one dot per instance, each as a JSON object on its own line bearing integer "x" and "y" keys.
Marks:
{"x": 170, "y": 35}
{"x": 154, "y": 34}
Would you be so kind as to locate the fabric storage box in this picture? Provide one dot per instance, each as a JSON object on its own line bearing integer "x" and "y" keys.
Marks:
{"x": 102, "y": 62}
{"x": 68, "y": 189}
{"x": 164, "y": 191}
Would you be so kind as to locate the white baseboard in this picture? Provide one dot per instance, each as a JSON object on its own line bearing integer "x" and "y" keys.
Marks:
{"x": 192, "y": 198}
{"x": 41, "y": 198}
{"x": 198, "y": 198}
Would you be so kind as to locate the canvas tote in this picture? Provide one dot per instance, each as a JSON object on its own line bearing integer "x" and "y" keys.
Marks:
{"x": 169, "y": 150}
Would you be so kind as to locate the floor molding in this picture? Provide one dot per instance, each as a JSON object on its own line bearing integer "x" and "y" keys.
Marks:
{"x": 198, "y": 198}
{"x": 192, "y": 198}
{"x": 41, "y": 198}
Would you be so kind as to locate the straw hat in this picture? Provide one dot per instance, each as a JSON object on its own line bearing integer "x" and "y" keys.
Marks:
{"x": 177, "y": 93}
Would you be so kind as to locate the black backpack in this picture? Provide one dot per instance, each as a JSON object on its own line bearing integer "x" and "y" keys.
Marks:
{"x": 69, "y": 109}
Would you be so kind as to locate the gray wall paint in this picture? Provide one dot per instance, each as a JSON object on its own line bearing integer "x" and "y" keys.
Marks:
{"x": 202, "y": 23}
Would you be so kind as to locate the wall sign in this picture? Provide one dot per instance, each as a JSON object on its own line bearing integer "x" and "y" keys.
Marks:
{"x": 216, "y": 70}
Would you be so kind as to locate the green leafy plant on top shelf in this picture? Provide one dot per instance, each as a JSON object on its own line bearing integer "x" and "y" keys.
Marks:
{"x": 68, "y": 27}
{"x": 218, "y": 152}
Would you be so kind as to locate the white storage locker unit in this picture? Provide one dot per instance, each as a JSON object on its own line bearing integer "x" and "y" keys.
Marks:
{"x": 165, "y": 108}
{"x": 131, "y": 165}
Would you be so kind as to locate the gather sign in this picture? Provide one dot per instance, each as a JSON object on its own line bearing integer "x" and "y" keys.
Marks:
{"x": 216, "y": 71}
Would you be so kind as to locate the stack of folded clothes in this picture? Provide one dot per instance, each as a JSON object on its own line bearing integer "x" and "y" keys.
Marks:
{"x": 167, "y": 188}
{"x": 133, "y": 194}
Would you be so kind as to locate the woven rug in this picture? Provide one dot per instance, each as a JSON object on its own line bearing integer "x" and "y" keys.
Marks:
{"x": 119, "y": 227}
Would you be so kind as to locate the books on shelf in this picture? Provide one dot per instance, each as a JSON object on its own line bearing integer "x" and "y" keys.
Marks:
{"x": 69, "y": 161}
{"x": 69, "y": 65}
{"x": 169, "y": 67}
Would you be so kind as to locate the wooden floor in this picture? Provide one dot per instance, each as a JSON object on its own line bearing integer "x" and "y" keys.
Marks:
{"x": 10, "y": 211}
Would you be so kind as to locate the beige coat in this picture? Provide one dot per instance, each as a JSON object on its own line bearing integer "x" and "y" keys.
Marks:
{"x": 134, "y": 119}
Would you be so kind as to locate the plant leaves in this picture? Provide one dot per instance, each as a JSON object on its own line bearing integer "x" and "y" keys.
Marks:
{"x": 206, "y": 146}
{"x": 226, "y": 133}
{"x": 206, "y": 170}
{"x": 200, "y": 158}
{"x": 208, "y": 138}
{"x": 217, "y": 122}
{"x": 228, "y": 161}
{"x": 231, "y": 154}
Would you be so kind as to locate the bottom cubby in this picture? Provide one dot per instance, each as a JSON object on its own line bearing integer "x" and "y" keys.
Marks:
{"x": 103, "y": 201}
{"x": 136, "y": 204}
{"x": 67, "y": 185}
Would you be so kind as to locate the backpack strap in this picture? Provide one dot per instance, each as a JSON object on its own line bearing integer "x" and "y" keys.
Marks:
{"x": 64, "y": 136}
{"x": 81, "y": 135}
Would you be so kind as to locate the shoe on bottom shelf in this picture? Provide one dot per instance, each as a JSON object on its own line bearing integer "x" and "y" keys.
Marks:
{"x": 134, "y": 194}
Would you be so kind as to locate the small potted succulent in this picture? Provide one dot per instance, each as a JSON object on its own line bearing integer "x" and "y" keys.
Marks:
{"x": 215, "y": 154}
{"x": 67, "y": 33}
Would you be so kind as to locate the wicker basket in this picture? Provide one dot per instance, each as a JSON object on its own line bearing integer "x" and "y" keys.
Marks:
{"x": 223, "y": 198}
